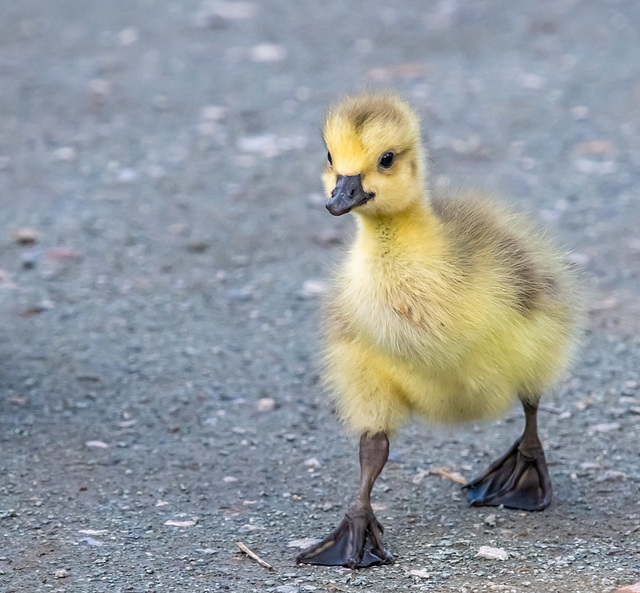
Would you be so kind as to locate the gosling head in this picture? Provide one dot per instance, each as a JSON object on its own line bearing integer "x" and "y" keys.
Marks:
{"x": 375, "y": 159}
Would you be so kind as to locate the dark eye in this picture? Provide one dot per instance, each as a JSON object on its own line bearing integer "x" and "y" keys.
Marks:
{"x": 386, "y": 160}
{"x": 329, "y": 158}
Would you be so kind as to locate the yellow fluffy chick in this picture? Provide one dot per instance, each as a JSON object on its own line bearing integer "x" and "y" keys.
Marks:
{"x": 445, "y": 308}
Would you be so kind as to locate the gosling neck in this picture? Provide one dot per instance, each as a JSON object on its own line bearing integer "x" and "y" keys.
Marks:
{"x": 408, "y": 231}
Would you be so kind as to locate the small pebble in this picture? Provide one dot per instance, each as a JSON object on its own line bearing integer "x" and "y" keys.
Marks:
{"x": 591, "y": 167}
{"x": 61, "y": 573}
{"x": 313, "y": 288}
{"x": 96, "y": 445}
{"x": 268, "y": 52}
{"x": 127, "y": 175}
{"x": 422, "y": 573}
{"x": 611, "y": 476}
{"x": 492, "y": 553}
{"x": 266, "y": 404}
{"x": 93, "y": 531}
{"x": 90, "y": 541}
{"x": 287, "y": 589}
{"x": 180, "y": 523}
{"x": 589, "y": 465}
{"x": 25, "y": 236}
{"x": 209, "y": 551}
{"x": 608, "y": 427}
{"x": 248, "y": 527}
{"x": 127, "y": 423}
{"x": 303, "y": 543}
{"x": 264, "y": 143}
{"x": 65, "y": 153}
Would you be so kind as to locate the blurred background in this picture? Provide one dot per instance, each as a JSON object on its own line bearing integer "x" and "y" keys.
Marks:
{"x": 163, "y": 248}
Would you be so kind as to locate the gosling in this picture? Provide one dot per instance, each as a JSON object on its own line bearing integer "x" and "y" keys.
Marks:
{"x": 447, "y": 309}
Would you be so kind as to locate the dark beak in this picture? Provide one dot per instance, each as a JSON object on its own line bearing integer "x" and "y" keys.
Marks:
{"x": 347, "y": 194}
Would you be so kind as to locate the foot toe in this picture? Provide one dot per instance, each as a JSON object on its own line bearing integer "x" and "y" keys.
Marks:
{"x": 355, "y": 544}
{"x": 517, "y": 482}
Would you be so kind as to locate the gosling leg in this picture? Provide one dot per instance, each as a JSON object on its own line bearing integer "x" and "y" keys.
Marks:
{"x": 357, "y": 542}
{"x": 520, "y": 479}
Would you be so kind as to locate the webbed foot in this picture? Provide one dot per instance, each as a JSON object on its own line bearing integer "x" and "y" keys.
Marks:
{"x": 518, "y": 480}
{"x": 357, "y": 543}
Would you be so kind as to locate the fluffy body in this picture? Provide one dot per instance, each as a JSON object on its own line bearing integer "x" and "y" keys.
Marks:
{"x": 447, "y": 308}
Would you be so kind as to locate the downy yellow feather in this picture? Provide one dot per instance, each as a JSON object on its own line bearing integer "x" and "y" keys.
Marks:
{"x": 447, "y": 308}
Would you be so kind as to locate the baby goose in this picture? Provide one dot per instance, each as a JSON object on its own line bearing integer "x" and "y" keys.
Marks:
{"x": 444, "y": 308}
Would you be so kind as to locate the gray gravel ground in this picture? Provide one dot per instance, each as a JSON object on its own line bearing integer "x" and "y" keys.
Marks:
{"x": 158, "y": 338}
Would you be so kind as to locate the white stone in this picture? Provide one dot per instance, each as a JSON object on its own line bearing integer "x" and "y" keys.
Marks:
{"x": 492, "y": 553}
{"x": 266, "y": 404}
{"x": 268, "y": 52}
{"x": 96, "y": 445}
{"x": 313, "y": 288}
{"x": 303, "y": 543}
